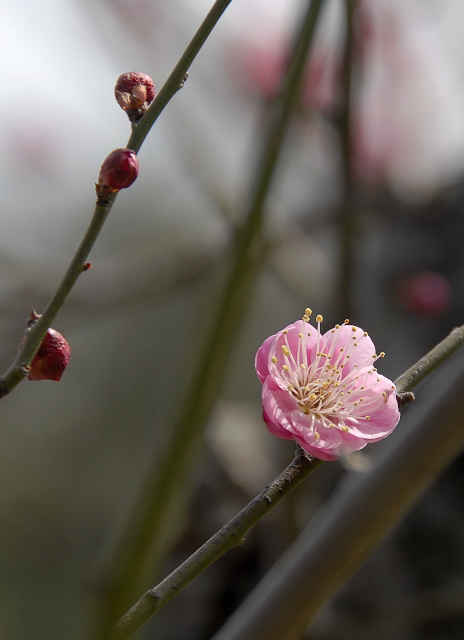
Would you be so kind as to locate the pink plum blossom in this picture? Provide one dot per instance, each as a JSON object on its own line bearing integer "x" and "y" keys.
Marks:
{"x": 323, "y": 391}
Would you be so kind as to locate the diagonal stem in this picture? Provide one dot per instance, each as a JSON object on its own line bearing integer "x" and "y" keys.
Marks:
{"x": 233, "y": 532}
{"x": 36, "y": 333}
{"x": 230, "y": 535}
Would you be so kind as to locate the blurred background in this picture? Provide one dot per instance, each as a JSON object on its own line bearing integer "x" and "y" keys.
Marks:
{"x": 364, "y": 220}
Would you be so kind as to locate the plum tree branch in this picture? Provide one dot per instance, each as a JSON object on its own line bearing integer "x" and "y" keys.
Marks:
{"x": 233, "y": 532}
{"x": 36, "y": 333}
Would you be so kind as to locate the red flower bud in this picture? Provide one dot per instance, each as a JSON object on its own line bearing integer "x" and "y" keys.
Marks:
{"x": 51, "y": 359}
{"x": 119, "y": 171}
{"x": 134, "y": 91}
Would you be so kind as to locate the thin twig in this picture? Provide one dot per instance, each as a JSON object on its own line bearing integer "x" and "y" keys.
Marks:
{"x": 232, "y": 533}
{"x": 434, "y": 358}
{"x": 360, "y": 513}
{"x": 36, "y": 333}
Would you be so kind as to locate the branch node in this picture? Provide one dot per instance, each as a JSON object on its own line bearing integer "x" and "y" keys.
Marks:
{"x": 152, "y": 593}
{"x": 404, "y": 398}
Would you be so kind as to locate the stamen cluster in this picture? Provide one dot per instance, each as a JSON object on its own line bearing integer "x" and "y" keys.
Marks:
{"x": 323, "y": 390}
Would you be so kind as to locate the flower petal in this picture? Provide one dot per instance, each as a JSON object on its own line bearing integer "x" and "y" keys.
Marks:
{"x": 262, "y": 359}
{"x": 349, "y": 340}
{"x": 277, "y": 404}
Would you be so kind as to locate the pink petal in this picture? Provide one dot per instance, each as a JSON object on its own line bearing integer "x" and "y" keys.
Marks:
{"x": 293, "y": 340}
{"x": 277, "y": 408}
{"x": 262, "y": 359}
{"x": 362, "y": 354}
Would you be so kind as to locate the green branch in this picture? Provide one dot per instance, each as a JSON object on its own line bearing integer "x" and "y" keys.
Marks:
{"x": 434, "y": 358}
{"x": 36, "y": 333}
{"x": 233, "y": 532}
{"x": 178, "y": 75}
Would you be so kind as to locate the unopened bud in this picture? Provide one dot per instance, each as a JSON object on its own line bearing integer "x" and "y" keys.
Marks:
{"x": 51, "y": 359}
{"x": 134, "y": 92}
{"x": 119, "y": 171}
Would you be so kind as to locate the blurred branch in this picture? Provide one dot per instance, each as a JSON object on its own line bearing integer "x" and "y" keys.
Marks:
{"x": 36, "y": 333}
{"x": 361, "y": 513}
{"x": 347, "y": 216}
{"x": 148, "y": 533}
{"x": 227, "y": 537}
{"x": 404, "y": 617}
{"x": 232, "y": 533}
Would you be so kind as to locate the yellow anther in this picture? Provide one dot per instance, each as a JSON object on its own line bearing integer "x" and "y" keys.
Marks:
{"x": 300, "y": 335}
{"x": 274, "y": 360}
{"x": 342, "y": 349}
{"x": 305, "y": 318}
{"x": 345, "y": 429}
{"x": 285, "y": 331}
{"x": 356, "y": 404}
{"x": 313, "y": 397}
{"x": 367, "y": 417}
{"x": 308, "y": 312}
{"x": 337, "y": 326}
{"x": 353, "y": 329}
{"x": 319, "y": 318}
{"x": 285, "y": 367}
{"x": 303, "y": 366}
{"x": 285, "y": 351}
{"x": 346, "y": 321}
{"x": 290, "y": 387}
{"x": 365, "y": 334}
{"x": 382, "y": 354}
{"x": 317, "y": 436}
